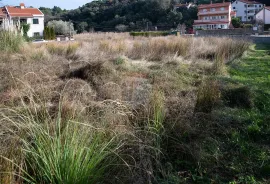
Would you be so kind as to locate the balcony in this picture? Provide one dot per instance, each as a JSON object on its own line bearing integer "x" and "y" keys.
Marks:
{"x": 213, "y": 12}
{"x": 211, "y": 20}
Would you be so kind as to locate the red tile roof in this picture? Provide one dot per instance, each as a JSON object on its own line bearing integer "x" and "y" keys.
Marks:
{"x": 250, "y": 2}
{"x": 22, "y": 12}
{"x": 2, "y": 12}
{"x": 214, "y": 5}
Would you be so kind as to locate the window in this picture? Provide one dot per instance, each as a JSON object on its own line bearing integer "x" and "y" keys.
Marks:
{"x": 35, "y": 21}
{"x": 222, "y": 17}
{"x": 204, "y": 10}
{"x": 234, "y": 8}
{"x": 213, "y": 9}
{"x": 36, "y": 34}
{"x": 222, "y": 9}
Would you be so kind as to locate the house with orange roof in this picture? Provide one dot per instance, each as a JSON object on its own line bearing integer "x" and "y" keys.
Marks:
{"x": 246, "y": 9}
{"x": 15, "y": 16}
{"x": 214, "y": 16}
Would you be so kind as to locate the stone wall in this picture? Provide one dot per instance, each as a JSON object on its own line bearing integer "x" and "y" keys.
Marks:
{"x": 225, "y": 32}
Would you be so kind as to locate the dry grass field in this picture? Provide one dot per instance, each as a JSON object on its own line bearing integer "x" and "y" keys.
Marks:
{"x": 110, "y": 108}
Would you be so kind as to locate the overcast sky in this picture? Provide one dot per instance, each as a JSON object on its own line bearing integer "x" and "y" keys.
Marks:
{"x": 64, "y": 4}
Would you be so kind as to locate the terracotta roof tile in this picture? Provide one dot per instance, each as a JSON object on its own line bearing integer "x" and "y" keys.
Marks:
{"x": 23, "y": 12}
{"x": 2, "y": 12}
{"x": 214, "y": 5}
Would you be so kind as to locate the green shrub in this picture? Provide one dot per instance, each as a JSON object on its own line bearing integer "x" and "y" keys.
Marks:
{"x": 247, "y": 25}
{"x": 9, "y": 41}
{"x": 236, "y": 22}
{"x": 156, "y": 33}
{"x": 61, "y": 150}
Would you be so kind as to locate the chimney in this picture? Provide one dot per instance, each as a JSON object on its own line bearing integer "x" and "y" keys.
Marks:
{"x": 22, "y": 5}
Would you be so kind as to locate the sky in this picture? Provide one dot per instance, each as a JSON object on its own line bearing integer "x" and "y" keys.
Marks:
{"x": 64, "y": 4}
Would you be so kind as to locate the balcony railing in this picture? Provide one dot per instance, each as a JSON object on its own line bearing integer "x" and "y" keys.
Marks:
{"x": 213, "y": 12}
{"x": 211, "y": 20}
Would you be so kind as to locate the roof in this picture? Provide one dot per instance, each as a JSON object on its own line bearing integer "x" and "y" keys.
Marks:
{"x": 214, "y": 5}
{"x": 23, "y": 12}
{"x": 267, "y": 7}
{"x": 2, "y": 12}
{"x": 249, "y": 2}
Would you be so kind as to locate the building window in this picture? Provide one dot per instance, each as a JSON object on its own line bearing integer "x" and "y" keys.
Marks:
{"x": 36, "y": 34}
{"x": 35, "y": 21}
{"x": 234, "y": 8}
{"x": 222, "y": 9}
{"x": 213, "y": 9}
{"x": 204, "y": 10}
{"x": 222, "y": 17}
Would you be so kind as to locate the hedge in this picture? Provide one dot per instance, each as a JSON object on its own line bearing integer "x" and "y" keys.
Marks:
{"x": 156, "y": 33}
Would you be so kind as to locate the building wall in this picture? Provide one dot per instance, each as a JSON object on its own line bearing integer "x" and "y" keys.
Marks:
{"x": 260, "y": 16}
{"x": 35, "y": 28}
{"x": 218, "y": 16}
{"x": 241, "y": 9}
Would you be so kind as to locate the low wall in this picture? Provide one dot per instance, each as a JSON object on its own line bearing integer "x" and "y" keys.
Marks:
{"x": 224, "y": 32}
{"x": 265, "y": 39}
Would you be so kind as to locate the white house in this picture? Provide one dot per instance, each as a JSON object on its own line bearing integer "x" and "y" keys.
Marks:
{"x": 264, "y": 15}
{"x": 246, "y": 9}
{"x": 14, "y": 16}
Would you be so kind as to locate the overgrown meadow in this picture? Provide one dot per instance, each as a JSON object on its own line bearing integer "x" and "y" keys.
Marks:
{"x": 112, "y": 108}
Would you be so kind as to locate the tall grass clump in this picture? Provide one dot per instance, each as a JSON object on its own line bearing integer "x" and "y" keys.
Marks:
{"x": 57, "y": 150}
{"x": 208, "y": 96}
{"x": 10, "y": 41}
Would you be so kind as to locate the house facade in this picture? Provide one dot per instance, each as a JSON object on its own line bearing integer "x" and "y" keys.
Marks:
{"x": 214, "y": 16}
{"x": 12, "y": 17}
{"x": 246, "y": 9}
{"x": 263, "y": 16}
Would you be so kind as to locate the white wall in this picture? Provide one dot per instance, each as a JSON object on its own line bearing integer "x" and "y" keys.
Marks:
{"x": 240, "y": 9}
{"x": 36, "y": 27}
{"x": 260, "y": 16}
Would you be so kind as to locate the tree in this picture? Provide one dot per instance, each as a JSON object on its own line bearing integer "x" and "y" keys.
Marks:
{"x": 82, "y": 26}
{"x": 25, "y": 28}
{"x": 174, "y": 18}
{"x": 236, "y": 22}
{"x": 121, "y": 27}
{"x": 62, "y": 27}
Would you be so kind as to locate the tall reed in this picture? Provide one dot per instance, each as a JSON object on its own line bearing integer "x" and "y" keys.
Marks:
{"x": 9, "y": 41}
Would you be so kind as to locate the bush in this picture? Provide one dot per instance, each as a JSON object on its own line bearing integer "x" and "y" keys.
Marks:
{"x": 147, "y": 34}
{"x": 9, "y": 41}
{"x": 62, "y": 27}
{"x": 59, "y": 150}
{"x": 236, "y": 22}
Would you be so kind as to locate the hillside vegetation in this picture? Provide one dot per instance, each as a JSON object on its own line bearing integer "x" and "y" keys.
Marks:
{"x": 110, "y": 108}
{"x": 131, "y": 15}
